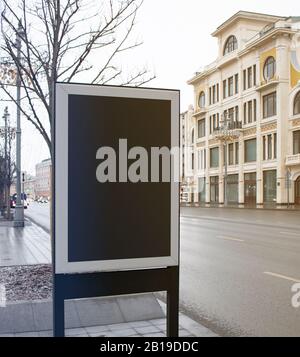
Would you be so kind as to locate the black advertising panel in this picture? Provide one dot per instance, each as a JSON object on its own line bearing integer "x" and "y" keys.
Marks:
{"x": 111, "y": 211}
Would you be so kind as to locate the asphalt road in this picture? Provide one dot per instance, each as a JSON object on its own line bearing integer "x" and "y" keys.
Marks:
{"x": 237, "y": 268}
{"x": 39, "y": 213}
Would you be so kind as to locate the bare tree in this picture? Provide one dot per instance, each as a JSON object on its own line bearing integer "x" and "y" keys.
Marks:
{"x": 67, "y": 41}
{"x": 7, "y": 161}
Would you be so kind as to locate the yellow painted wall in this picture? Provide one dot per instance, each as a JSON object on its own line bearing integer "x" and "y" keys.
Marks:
{"x": 295, "y": 76}
{"x": 263, "y": 57}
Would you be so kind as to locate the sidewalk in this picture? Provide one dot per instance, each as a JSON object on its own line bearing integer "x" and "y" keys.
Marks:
{"x": 134, "y": 315}
{"x": 139, "y": 328}
{"x": 24, "y": 246}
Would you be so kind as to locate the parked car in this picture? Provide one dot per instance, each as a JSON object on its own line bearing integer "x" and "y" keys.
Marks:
{"x": 13, "y": 200}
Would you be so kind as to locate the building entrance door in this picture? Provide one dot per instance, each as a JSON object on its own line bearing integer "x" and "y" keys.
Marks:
{"x": 297, "y": 191}
{"x": 250, "y": 188}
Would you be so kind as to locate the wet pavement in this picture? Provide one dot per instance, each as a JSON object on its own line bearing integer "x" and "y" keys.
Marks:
{"x": 238, "y": 268}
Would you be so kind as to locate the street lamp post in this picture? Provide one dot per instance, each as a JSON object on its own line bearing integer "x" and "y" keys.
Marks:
{"x": 228, "y": 131}
{"x": 19, "y": 210}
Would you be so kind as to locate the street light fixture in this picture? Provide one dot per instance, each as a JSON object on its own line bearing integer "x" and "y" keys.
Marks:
{"x": 228, "y": 131}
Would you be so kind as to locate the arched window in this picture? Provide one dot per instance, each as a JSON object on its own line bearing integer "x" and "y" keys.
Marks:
{"x": 201, "y": 101}
{"x": 269, "y": 68}
{"x": 230, "y": 45}
{"x": 297, "y": 104}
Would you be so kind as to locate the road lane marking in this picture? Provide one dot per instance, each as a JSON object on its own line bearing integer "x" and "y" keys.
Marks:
{"x": 291, "y": 233}
{"x": 230, "y": 238}
{"x": 282, "y": 276}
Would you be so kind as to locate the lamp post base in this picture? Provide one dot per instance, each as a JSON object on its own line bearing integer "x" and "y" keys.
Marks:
{"x": 19, "y": 216}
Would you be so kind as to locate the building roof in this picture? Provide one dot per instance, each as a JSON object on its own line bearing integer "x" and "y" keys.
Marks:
{"x": 247, "y": 15}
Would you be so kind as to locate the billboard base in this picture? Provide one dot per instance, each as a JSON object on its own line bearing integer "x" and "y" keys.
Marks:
{"x": 101, "y": 284}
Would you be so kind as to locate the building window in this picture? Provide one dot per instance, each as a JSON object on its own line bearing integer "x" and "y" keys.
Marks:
{"x": 233, "y": 188}
{"x": 254, "y": 75}
{"x": 214, "y": 157}
{"x": 214, "y": 123}
{"x": 224, "y": 89}
{"x": 297, "y": 104}
{"x": 275, "y": 145}
{"x": 270, "y": 187}
{"x": 193, "y": 136}
{"x": 210, "y": 98}
{"x": 236, "y": 81}
{"x": 201, "y": 189}
{"x": 249, "y": 112}
{"x": 269, "y": 105}
{"x": 201, "y": 128}
{"x": 270, "y": 147}
{"x": 231, "y": 154}
{"x": 217, "y": 92}
{"x": 201, "y": 100}
{"x": 214, "y": 189}
{"x": 202, "y": 159}
{"x": 230, "y": 45}
{"x": 249, "y": 77}
{"x": 230, "y": 87}
{"x": 269, "y": 68}
{"x": 244, "y": 79}
{"x": 193, "y": 161}
{"x": 237, "y": 152}
{"x": 296, "y": 142}
{"x": 250, "y": 150}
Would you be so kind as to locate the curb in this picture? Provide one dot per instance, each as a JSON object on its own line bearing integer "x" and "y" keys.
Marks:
{"x": 240, "y": 222}
{"x": 46, "y": 229}
{"x": 245, "y": 208}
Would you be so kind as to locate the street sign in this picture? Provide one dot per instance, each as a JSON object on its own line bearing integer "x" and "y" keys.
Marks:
{"x": 107, "y": 226}
{"x": 115, "y": 222}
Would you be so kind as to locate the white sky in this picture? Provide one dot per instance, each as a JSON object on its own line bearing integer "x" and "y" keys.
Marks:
{"x": 177, "y": 42}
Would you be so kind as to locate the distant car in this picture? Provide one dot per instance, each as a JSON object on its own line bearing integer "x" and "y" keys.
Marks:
{"x": 13, "y": 200}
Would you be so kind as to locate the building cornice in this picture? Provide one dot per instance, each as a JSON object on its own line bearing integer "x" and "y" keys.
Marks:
{"x": 248, "y": 16}
{"x": 253, "y": 44}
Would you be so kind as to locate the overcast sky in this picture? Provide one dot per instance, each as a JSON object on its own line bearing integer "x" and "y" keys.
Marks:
{"x": 177, "y": 42}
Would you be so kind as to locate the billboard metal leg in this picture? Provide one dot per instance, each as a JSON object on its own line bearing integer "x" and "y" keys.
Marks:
{"x": 58, "y": 314}
{"x": 173, "y": 304}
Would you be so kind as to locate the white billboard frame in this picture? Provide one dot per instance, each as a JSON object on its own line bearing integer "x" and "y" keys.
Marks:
{"x": 60, "y": 219}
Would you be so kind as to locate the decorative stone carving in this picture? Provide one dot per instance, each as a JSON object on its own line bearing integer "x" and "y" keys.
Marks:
{"x": 268, "y": 127}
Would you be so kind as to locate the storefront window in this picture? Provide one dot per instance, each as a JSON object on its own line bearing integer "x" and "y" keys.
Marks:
{"x": 233, "y": 188}
{"x": 201, "y": 189}
{"x": 270, "y": 186}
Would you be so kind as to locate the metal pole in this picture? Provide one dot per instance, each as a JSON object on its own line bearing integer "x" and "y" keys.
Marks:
{"x": 5, "y": 162}
{"x": 225, "y": 174}
{"x": 19, "y": 210}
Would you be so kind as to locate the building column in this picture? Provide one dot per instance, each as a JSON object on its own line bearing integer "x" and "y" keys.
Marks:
{"x": 259, "y": 172}
{"x": 283, "y": 113}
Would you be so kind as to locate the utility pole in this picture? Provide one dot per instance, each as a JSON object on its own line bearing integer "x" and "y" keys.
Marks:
{"x": 19, "y": 210}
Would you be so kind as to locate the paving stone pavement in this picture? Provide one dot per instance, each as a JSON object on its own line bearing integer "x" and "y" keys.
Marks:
{"x": 149, "y": 328}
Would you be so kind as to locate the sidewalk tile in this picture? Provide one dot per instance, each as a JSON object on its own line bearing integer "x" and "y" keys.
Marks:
{"x": 147, "y": 329}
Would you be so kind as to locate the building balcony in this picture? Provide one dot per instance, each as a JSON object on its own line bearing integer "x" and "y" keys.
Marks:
{"x": 292, "y": 160}
{"x": 201, "y": 111}
{"x": 231, "y": 132}
{"x": 266, "y": 84}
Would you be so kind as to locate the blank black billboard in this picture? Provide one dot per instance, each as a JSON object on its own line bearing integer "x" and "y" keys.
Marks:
{"x": 116, "y": 220}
